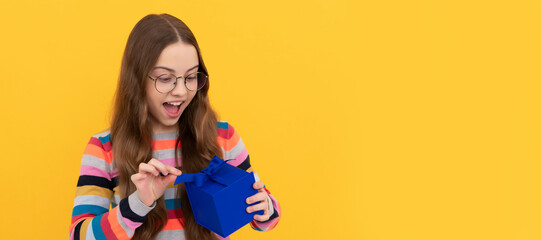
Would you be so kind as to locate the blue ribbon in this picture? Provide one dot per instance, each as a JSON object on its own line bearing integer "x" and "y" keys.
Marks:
{"x": 206, "y": 174}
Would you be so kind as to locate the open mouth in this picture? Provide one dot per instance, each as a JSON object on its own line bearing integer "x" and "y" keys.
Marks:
{"x": 172, "y": 107}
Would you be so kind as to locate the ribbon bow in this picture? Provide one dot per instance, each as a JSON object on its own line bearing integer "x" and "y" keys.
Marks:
{"x": 206, "y": 174}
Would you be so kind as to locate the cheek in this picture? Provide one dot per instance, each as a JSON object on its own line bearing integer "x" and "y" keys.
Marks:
{"x": 150, "y": 106}
{"x": 152, "y": 95}
{"x": 191, "y": 96}
{"x": 152, "y": 100}
{"x": 149, "y": 103}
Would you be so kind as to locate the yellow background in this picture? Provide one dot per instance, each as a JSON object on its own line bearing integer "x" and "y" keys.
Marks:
{"x": 366, "y": 119}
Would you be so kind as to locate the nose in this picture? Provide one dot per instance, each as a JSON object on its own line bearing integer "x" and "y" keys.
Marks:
{"x": 180, "y": 88}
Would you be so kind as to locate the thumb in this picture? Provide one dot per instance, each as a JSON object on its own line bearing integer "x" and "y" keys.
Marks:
{"x": 170, "y": 179}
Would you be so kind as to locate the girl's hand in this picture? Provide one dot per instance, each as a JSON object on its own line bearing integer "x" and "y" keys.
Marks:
{"x": 262, "y": 198}
{"x": 150, "y": 185}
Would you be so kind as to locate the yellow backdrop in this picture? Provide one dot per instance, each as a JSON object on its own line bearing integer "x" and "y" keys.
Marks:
{"x": 366, "y": 119}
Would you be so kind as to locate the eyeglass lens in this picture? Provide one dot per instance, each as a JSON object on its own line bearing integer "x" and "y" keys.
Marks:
{"x": 194, "y": 81}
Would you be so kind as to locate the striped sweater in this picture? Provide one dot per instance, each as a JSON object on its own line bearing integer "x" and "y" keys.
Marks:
{"x": 98, "y": 211}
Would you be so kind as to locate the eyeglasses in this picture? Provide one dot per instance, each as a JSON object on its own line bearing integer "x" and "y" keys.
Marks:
{"x": 165, "y": 83}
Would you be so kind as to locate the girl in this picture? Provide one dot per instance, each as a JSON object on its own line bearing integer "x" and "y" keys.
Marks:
{"x": 162, "y": 122}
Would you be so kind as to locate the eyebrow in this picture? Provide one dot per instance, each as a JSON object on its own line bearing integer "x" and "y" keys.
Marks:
{"x": 171, "y": 70}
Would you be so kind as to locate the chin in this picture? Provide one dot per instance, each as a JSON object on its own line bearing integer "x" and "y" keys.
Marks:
{"x": 171, "y": 123}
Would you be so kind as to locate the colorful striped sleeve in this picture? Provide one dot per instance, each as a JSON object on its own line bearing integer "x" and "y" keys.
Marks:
{"x": 234, "y": 148}
{"x": 92, "y": 216}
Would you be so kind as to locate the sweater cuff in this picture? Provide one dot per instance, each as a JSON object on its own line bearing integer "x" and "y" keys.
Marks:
{"x": 134, "y": 209}
{"x": 271, "y": 206}
{"x": 137, "y": 206}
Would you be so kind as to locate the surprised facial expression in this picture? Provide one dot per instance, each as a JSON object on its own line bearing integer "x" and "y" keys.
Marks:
{"x": 179, "y": 59}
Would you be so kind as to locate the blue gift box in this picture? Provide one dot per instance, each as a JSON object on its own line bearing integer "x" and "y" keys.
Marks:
{"x": 218, "y": 195}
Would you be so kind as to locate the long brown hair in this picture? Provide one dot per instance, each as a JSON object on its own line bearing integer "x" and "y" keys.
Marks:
{"x": 131, "y": 134}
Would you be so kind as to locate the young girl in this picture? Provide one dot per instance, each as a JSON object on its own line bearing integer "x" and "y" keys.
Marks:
{"x": 162, "y": 122}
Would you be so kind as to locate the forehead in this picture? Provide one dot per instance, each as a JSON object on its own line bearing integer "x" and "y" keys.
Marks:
{"x": 178, "y": 57}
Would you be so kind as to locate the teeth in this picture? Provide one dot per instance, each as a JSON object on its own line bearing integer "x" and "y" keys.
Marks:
{"x": 174, "y": 103}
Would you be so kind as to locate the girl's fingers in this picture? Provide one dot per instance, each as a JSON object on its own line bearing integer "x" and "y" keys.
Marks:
{"x": 258, "y": 197}
{"x": 261, "y": 206}
{"x": 137, "y": 177}
{"x": 261, "y": 218}
{"x": 155, "y": 167}
{"x": 170, "y": 179}
{"x": 147, "y": 168}
{"x": 164, "y": 168}
{"x": 173, "y": 170}
{"x": 159, "y": 166}
{"x": 258, "y": 185}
